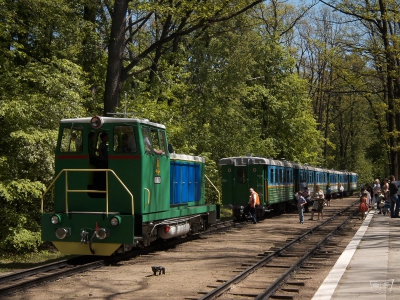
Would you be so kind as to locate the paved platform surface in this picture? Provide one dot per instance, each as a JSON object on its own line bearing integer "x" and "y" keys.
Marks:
{"x": 369, "y": 268}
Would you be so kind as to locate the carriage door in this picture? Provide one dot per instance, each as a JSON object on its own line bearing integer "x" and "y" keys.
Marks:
{"x": 256, "y": 179}
{"x": 228, "y": 183}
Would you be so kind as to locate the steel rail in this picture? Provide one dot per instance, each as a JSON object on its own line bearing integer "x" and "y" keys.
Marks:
{"x": 63, "y": 264}
{"x": 50, "y": 277}
{"x": 223, "y": 288}
{"x": 268, "y": 292}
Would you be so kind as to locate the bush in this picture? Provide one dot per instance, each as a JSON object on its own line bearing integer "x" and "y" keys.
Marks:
{"x": 21, "y": 241}
{"x": 20, "y": 215}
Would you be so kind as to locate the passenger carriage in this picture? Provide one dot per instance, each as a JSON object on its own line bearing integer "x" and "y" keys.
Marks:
{"x": 271, "y": 179}
{"x": 334, "y": 182}
{"x": 352, "y": 182}
{"x": 276, "y": 182}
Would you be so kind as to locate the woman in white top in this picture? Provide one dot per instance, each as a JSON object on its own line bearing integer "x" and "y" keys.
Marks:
{"x": 376, "y": 190}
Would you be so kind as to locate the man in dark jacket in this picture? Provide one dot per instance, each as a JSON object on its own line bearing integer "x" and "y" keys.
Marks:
{"x": 394, "y": 201}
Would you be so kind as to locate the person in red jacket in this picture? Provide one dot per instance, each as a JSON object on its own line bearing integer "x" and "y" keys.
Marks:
{"x": 363, "y": 207}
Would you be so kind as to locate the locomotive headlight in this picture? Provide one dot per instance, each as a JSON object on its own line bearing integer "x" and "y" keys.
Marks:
{"x": 61, "y": 233}
{"x": 102, "y": 233}
{"x": 96, "y": 122}
{"x": 115, "y": 221}
{"x": 55, "y": 219}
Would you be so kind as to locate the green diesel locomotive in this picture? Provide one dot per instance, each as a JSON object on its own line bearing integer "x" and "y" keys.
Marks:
{"x": 119, "y": 185}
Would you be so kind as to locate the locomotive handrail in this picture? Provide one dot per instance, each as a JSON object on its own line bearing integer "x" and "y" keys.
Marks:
{"x": 219, "y": 195}
{"x": 148, "y": 197}
{"x": 85, "y": 191}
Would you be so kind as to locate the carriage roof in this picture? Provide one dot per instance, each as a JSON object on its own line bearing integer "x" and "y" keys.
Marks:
{"x": 252, "y": 160}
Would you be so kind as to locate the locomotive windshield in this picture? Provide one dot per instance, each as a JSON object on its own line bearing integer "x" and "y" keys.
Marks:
{"x": 124, "y": 139}
{"x": 71, "y": 140}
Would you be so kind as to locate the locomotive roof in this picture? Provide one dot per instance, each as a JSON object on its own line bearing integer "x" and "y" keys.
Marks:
{"x": 111, "y": 120}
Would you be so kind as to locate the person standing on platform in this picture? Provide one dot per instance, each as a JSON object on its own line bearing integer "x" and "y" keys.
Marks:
{"x": 341, "y": 190}
{"x": 301, "y": 202}
{"x": 328, "y": 195}
{"x": 303, "y": 185}
{"x": 306, "y": 195}
{"x": 368, "y": 187}
{"x": 376, "y": 192}
{"x": 321, "y": 202}
{"x": 318, "y": 204}
{"x": 363, "y": 207}
{"x": 368, "y": 195}
{"x": 394, "y": 205}
{"x": 385, "y": 187}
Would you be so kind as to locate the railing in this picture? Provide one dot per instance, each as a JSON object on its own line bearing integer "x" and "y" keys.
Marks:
{"x": 85, "y": 191}
{"x": 219, "y": 194}
{"x": 148, "y": 197}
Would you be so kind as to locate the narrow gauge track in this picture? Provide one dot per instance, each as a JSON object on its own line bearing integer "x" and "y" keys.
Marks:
{"x": 281, "y": 263}
{"x": 26, "y": 279}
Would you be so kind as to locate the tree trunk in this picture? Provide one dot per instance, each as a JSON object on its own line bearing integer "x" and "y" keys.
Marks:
{"x": 114, "y": 80}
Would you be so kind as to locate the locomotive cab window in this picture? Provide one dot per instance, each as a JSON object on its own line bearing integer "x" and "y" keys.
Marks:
{"x": 124, "y": 139}
{"x": 148, "y": 146}
{"x": 163, "y": 142}
{"x": 158, "y": 140}
{"x": 71, "y": 139}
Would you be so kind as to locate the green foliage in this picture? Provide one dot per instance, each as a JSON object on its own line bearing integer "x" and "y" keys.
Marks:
{"x": 40, "y": 83}
{"x": 20, "y": 215}
{"x": 39, "y": 95}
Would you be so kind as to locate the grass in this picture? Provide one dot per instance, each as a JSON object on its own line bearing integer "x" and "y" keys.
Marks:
{"x": 10, "y": 262}
{"x": 226, "y": 213}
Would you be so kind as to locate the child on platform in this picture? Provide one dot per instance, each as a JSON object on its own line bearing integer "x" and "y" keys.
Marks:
{"x": 363, "y": 207}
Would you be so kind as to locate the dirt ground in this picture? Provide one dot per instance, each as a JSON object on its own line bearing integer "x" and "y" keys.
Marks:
{"x": 190, "y": 267}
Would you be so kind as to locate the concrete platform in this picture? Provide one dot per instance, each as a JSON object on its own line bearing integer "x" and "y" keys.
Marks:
{"x": 369, "y": 268}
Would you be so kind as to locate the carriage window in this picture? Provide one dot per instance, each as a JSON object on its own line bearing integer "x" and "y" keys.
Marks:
{"x": 71, "y": 139}
{"x": 124, "y": 139}
{"x": 280, "y": 176}
{"x": 276, "y": 176}
{"x": 241, "y": 175}
{"x": 272, "y": 176}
